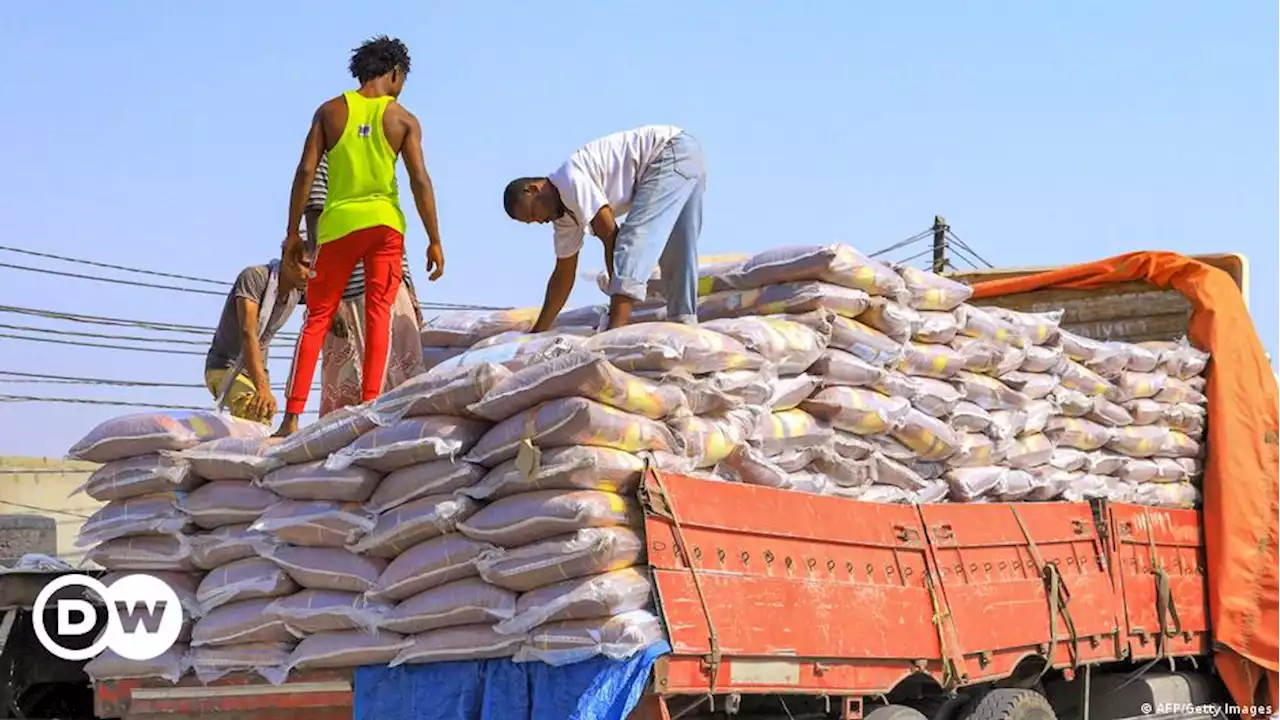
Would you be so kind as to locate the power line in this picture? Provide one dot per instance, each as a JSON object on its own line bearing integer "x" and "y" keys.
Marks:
{"x": 155, "y": 326}
{"x": 16, "y": 376}
{"x": 109, "y": 266}
{"x": 117, "y": 403}
{"x": 105, "y": 336}
{"x": 80, "y": 343}
{"x": 117, "y": 281}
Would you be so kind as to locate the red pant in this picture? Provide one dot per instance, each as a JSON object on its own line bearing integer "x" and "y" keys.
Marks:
{"x": 382, "y": 250}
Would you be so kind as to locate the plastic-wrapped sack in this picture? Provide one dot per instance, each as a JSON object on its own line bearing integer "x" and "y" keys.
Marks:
{"x": 439, "y": 392}
{"x": 1141, "y": 359}
{"x": 1142, "y": 470}
{"x": 514, "y": 355}
{"x": 708, "y": 439}
{"x": 327, "y": 435}
{"x": 787, "y": 298}
{"x": 897, "y": 322}
{"x": 1170, "y": 495}
{"x": 232, "y": 458}
{"x": 147, "y": 433}
{"x": 867, "y": 343}
{"x": 723, "y": 391}
{"x": 570, "y": 641}
{"x": 1041, "y": 359}
{"x": 935, "y": 397}
{"x": 837, "y": 264}
{"x": 169, "y": 665}
{"x": 1078, "y": 433}
{"x": 1034, "y": 385}
{"x": 983, "y": 324}
{"x": 1181, "y": 360}
{"x": 579, "y": 374}
{"x": 976, "y": 450}
{"x": 979, "y": 356}
{"x": 569, "y": 331}
{"x": 576, "y": 467}
{"x": 837, "y": 367}
{"x": 1029, "y": 451}
{"x": 586, "y": 552}
{"x": 927, "y": 291}
{"x": 791, "y": 429}
{"x": 432, "y": 355}
{"x": 464, "y": 642}
{"x": 227, "y": 502}
{"x": 970, "y": 483}
{"x": 1178, "y": 391}
{"x": 937, "y": 327}
{"x": 243, "y": 621}
{"x": 750, "y": 466}
{"x": 439, "y": 477}
{"x": 792, "y": 391}
{"x": 184, "y": 585}
{"x": 1069, "y": 459}
{"x": 340, "y": 649}
{"x": 226, "y": 544}
{"x": 1105, "y": 462}
{"x": 594, "y": 596}
{"x": 1140, "y": 441}
{"x": 327, "y": 568}
{"x": 1083, "y": 349}
{"x": 213, "y": 663}
{"x": 791, "y": 346}
{"x": 989, "y": 393}
{"x": 931, "y": 439}
{"x": 1075, "y": 376}
{"x": 672, "y": 346}
{"x": 316, "y": 611}
{"x": 465, "y": 328}
{"x": 1112, "y": 361}
{"x": 1107, "y": 413}
{"x": 571, "y": 421}
{"x": 857, "y": 410}
{"x": 969, "y": 417}
{"x": 315, "y": 523}
{"x": 243, "y": 580}
{"x": 470, "y": 601}
{"x": 935, "y": 361}
{"x": 144, "y": 553}
{"x": 313, "y": 481}
{"x": 896, "y": 384}
{"x": 711, "y": 272}
{"x": 1050, "y": 482}
{"x": 530, "y": 517}
{"x": 157, "y": 514}
{"x": 1084, "y": 487}
{"x": 145, "y": 475}
{"x": 413, "y": 523}
{"x": 1189, "y": 419}
{"x": 1038, "y": 328}
{"x": 1015, "y": 485}
{"x": 1140, "y": 386}
{"x": 410, "y": 442}
{"x": 1071, "y": 403}
{"x": 432, "y": 563}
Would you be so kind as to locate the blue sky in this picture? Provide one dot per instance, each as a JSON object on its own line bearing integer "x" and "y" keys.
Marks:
{"x": 165, "y": 136}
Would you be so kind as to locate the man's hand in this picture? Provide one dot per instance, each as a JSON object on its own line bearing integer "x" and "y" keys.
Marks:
{"x": 263, "y": 404}
{"x": 435, "y": 261}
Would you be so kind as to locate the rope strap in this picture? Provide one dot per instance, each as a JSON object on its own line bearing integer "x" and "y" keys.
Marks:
{"x": 1059, "y": 598}
{"x": 1166, "y": 609}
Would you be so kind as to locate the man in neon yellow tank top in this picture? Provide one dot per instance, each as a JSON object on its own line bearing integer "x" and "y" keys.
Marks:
{"x": 363, "y": 132}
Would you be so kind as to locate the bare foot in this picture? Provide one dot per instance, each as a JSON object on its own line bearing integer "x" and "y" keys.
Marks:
{"x": 288, "y": 426}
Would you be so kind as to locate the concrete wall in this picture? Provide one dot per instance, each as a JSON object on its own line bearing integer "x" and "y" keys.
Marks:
{"x": 43, "y": 486}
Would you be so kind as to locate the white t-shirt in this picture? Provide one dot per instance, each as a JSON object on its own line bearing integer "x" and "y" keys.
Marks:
{"x": 603, "y": 172}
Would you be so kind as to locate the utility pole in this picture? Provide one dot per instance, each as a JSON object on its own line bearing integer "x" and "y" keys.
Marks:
{"x": 939, "y": 243}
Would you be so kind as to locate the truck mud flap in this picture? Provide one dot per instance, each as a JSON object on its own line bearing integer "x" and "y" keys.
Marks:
{"x": 774, "y": 591}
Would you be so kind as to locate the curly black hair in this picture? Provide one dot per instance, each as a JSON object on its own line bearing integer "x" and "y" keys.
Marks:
{"x": 377, "y": 57}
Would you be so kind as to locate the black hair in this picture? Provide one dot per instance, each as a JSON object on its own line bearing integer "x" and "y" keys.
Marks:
{"x": 377, "y": 57}
{"x": 516, "y": 189}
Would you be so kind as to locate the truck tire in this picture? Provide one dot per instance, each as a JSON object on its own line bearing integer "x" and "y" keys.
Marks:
{"x": 1011, "y": 704}
{"x": 895, "y": 712}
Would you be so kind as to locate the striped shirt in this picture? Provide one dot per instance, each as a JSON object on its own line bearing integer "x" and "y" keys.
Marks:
{"x": 315, "y": 203}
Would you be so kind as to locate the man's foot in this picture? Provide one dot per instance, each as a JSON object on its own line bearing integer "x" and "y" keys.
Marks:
{"x": 619, "y": 311}
{"x": 288, "y": 426}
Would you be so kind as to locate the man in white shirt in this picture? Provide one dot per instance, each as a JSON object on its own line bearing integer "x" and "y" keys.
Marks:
{"x": 655, "y": 175}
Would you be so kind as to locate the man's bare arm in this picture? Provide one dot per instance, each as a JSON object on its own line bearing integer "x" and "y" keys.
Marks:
{"x": 606, "y": 228}
{"x": 424, "y": 196}
{"x": 247, "y": 313}
{"x": 312, "y": 149}
{"x": 558, "y": 289}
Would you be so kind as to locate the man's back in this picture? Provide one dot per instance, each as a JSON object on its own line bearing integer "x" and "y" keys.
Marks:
{"x": 362, "y": 137}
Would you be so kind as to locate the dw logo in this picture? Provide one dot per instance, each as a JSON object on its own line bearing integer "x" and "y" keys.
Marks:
{"x": 144, "y": 617}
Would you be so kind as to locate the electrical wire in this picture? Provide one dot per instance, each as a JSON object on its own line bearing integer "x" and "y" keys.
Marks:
{"x": 118, "y": 403}
{"x": 16, "y": 376}
{"x": 93, "y": 263}
{"x": 158, "y": 351}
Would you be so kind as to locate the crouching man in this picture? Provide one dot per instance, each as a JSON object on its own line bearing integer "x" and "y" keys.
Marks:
{"x": 259, "y": 304}
{"x": 656, "y": 176}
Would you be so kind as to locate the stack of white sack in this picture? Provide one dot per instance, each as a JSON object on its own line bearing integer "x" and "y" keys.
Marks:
{"x": 150, "y": 523}
{"x": 560, "y": 536}
{"x": 502, "y": 337}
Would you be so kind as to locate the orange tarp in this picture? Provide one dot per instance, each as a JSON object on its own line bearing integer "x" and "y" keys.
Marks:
{"x": 1241, "y": 503}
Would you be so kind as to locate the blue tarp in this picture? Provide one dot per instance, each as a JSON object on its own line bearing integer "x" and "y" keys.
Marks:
{"x": 596, "y": 689}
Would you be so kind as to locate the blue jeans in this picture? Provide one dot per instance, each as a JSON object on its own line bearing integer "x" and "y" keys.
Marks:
{"x": 662, "y": 229}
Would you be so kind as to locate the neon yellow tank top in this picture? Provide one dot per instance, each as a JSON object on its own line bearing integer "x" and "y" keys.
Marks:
{"x": 362, "y": 190}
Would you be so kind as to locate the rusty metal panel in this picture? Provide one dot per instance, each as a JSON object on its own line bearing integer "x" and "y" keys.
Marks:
{"x": 806, "y": 593}
{"x": 1175, "y": 537}
{"x": 997, "y": 596}
{"x": 320, "y": 695}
